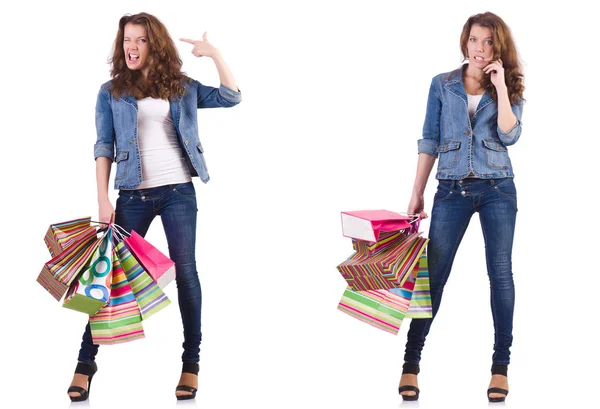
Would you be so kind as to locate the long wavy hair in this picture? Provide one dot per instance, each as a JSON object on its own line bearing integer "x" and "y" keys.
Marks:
{"x": 165, "y": 78}
{"x": 504, "y": 48}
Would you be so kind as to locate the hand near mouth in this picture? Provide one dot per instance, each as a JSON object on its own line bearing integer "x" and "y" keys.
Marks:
{"x": 202, "y": 48}
{"x": 497, "y": 73}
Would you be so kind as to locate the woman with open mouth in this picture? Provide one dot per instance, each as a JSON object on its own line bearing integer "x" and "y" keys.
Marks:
{"x": 147, "y": 122}
{"x": 473, "y": 114}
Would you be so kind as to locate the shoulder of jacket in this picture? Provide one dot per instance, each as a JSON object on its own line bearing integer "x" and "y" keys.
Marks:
{"x": 106, "y": 86}
{"x": 449, "y": 76}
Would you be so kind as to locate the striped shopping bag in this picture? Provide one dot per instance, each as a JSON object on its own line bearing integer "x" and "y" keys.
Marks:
{"x": 420, "y": 303}
{"x": 58, "y": 274}
{"x": 385, "y": 264}
{"x": 120, "y": 320}
{"x": 148, "y": 294}
{"x": 61, "y": 235}
{"x": 386, "y": 308}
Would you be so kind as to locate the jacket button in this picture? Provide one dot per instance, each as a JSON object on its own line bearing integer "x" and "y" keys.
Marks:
{"x": 468, "y": 133}
{"x": 186, "y": 142}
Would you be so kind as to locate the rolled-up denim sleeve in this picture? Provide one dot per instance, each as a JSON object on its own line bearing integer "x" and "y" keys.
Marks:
{"x": 105, "y": 131}
{"x": 222, "y": 97}
{"x": 431, "y": 129}
{"x": 512, "y": 136}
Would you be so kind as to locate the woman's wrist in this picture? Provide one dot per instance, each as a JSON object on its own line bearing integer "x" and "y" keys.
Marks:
{"x": 502, "y": 89}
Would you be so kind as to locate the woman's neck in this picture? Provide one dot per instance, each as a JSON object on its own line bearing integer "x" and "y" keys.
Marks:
{"x": 473, "y": 73}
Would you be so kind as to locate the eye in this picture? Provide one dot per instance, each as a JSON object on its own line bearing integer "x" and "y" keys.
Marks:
{"x": 471, "y": 39}
{"x": 143, "y": 40}
{"x": 489, "y": 42}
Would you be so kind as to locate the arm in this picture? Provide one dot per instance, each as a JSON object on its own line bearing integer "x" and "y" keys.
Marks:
{"x": 417, "y": 202}
{"x": 106, "y": 212}
{"x": 228, "y": 94}
{"x": 104, "y": 153}
{"x": 427, "y": 148}
{"x": 509, "y": 116}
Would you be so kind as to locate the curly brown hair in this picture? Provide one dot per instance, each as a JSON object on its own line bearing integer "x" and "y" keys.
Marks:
{"x": 165, "y": 78}
{"x": 504, "y": 48}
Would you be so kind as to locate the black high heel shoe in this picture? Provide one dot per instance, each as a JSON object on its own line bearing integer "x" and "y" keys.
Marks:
{"x": 188, "y": 368}
{"x": 84, "y": 369}
{"x": 410, "y": 369}
{"x": 498, "y": 370}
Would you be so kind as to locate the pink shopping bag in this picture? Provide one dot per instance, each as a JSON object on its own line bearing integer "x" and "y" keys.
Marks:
{"x": 367, "y": 224}
{"x": 160, "y": 267}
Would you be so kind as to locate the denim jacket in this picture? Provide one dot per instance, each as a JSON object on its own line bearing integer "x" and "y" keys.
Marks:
{"x": 116, "y": 128}
{"x": 466, "y": 145}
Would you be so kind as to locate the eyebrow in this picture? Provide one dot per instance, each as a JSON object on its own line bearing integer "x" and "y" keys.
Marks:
{"x": 485, "y": 38}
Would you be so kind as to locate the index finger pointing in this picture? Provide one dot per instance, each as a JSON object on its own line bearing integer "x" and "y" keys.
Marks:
{"x": 188, "y": 40}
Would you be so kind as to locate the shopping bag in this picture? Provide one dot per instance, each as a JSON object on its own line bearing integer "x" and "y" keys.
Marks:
{"x": 160, "y": 267}
{"x": 386, "y": 309}
{"x": 149, "y": 296}
{"x": 380, "y": 308}
{"x": 420, "y": 303}
{"x": 384, "y": 264}
{"x": 368, "y": 224}
{"x": 91, "y": 291}
{"x": 61, "y": 235}
{"x": 120, "y": 320}
{"x": 58, "y": 274}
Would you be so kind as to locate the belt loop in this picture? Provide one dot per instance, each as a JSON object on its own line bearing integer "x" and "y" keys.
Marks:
{"x": 453, "y": 185}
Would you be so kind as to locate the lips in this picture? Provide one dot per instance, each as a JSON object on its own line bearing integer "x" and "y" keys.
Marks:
{"x": 133, "y": 57}
{"x": 478, "y": 58}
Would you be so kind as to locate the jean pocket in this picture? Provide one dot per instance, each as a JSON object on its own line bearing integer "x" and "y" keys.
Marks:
{"x": 185, "y": 190}
{"x": 124, "y": 200}
{"x": 442, "y": 194}
{"x": 506, "y": 188}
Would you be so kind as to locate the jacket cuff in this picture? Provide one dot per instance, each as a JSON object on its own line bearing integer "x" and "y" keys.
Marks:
{"x": 104, "y": 149}
{"x": 235, "y": 97}
{"x": 510, "y": 137}
{"x": 428, "y": 146}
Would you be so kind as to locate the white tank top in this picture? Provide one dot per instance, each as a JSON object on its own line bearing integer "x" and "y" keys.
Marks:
{"x": 162, "y": 158}
{"x": 473, "y": 103}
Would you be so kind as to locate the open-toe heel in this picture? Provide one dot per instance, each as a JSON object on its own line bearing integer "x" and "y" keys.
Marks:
{"x": 84, "y": 369}
{"x": 409, "y": 369}
{"x": 192, "y": 368}
{"x": 498, "y": 370}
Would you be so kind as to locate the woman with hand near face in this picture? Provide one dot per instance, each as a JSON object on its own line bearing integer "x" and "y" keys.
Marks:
{"x": 146, "y": 121}
{"x": 473, "y": 114}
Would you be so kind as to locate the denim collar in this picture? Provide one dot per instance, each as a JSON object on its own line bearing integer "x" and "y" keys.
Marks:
{"x": 454, "y": 84}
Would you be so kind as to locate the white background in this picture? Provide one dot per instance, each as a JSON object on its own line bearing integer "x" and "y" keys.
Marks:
{"x": 334, "y": 100}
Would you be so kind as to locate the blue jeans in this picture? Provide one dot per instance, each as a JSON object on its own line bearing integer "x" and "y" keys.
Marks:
{"x": 176, "y": 205}
{"x": 453, "y": 205}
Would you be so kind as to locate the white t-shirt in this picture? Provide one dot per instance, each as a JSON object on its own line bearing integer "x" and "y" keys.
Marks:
{"x": 162, "y": 157}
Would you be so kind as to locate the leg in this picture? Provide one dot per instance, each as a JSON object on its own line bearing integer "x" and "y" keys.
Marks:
{"x": 498, "y": 213}
{"x": 498, "y": 216}
{"x": 178, "y": 213}
{"x": 131, "y": 213}
{"x": 450, "y": 218}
